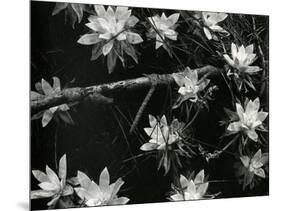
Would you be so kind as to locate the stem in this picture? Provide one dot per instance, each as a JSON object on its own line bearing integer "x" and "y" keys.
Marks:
{"x": 142, "y": 108}
{"x": 261, "y": 54}
{"x": 230, "y": 90}
{"x": 56, "y": 147}
{"x": 193, "y": 119}
{"x": 126, "y": 139}
{"x": 175, "y": 176}
{"x": 138, "y": 156}
{"x": 230, "y": 143}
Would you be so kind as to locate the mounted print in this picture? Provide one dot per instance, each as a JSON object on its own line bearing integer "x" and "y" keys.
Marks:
{"x": 141, "y": 105}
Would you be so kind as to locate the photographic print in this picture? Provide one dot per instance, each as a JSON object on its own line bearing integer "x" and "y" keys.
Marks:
{"x": 135, "y": 105}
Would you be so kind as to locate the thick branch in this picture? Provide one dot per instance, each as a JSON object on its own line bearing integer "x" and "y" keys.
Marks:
{"x": 76, "y": 94}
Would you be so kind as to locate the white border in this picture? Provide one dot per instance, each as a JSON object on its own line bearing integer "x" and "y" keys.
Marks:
{"x": 14, "y": 105}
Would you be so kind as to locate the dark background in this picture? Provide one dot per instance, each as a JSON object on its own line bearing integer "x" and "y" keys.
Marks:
{"x": 97, "y": 139}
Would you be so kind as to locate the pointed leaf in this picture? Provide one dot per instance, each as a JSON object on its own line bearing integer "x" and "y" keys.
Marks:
{"x": 152, "y": 120}
{"x": 40, "y": 176}
{"x": 48, "y": 186}
{"x": 240, "y": 111}
{"x": 73, "y": 181}
{"x": 83, "y": 193}
{"x": 245, "y": 160}
{"x": 179, "y": 79}
{"x": 54, "y": 201}
{"x": 47, "y": 89}
{"x": 191, "y": 188}
{"x": 35, "y": 95}
{"x": 95, "y": 191}
{"x": 110, "y": 11}
{"x": 234, "y": 127}
{"x": 116, "y": 187}
{"x": 172, "y": 19}
{"x": 163, "y": 121}
{"x": 122, "y": 13}
{"x": 260, "y": 172}
{"x": 257, "y": 155}
{"x": 129, "y": 50}
{"x": 202, "y": 189}
{"x": 56, "y": 84}
{"x": 78, "y": 9}
{"x": 89, "y": 39}
{"x": 132, "y": 21}
{"x": 264, "y": 159}
{"x": 252, "y": 135}
{"x": 111, "y": 61}
{"x": 248, "y": 178}
{"x": 38, "y": 194}
{"x": 66, "y": 117}
{"x": 207, "y": 33}
{"x": 183, "y": 181}
{"x": 37, "y": 116}
{"x": 177, "y": 197}
{"x": 96, "y": 51}
{"x": 47, "y": 117}
{"x": 52, "y": 176}
{"x": 119, "y": 201}
{"x": 62, "y": 167}
{"x": 83, "y": 179}
{"x": 134, "y": 38}
{"x": 59, "y": 7}
{"x": 262, "y": 116}
{"x": 104, "y": 178}
{"x": 100, "y": 10}
{"x": 107, "y": 48}
{"x": 199, "y": 177}
{"x": 148, "y": 146}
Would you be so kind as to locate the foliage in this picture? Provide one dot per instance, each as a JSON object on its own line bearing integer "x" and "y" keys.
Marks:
{"x": 102, "y": 194}
{"x": 252, "y": 166}
{"x": 111, "y": 34}
{"x": 74, "y": 11}
{"x": 52, "y": 186}
{"x": 249, "y": 120}
{"x": 45, "y": 90}
{"x": 241, "y": 60}
{"x": 217, "y": 120}
{"x": 189, "y": 85}
{"x": 166, "y": 140}
{"x": 192, "y": 189}
{"x": 163, "y": 27}
{"x": 211, "y": 20}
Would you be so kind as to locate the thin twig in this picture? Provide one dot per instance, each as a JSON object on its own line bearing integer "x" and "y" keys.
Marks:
{"x": 229, "y": 88}
{"x": 153, "y": 79}
{"x": 138, "y": 156}
{"x": 125, "y": 137}
{"x": 261, "y": 54}
{"x": 142, "y": 108}
{"x": 192, "y": 120}
{"x": 230, "y": 143}
{"x": 56, "y": 147}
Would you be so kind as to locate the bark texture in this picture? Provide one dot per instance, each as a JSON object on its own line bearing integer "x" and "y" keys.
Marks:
{"x": 80, "y": 93}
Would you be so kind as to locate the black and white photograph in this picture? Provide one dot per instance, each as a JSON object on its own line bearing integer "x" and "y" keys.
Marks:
{"x": 136, "y": 105}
